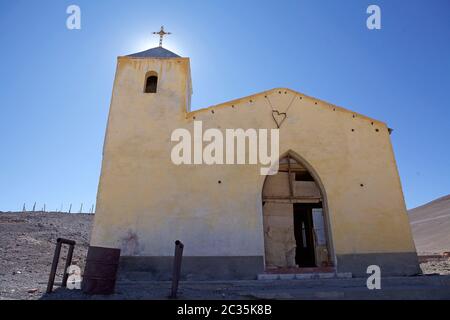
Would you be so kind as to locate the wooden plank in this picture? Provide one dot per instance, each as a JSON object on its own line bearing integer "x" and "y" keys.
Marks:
{"x": 291, "y": 187}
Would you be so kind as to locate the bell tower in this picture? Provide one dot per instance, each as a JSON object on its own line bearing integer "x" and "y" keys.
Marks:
{"x": 151, "y": 95}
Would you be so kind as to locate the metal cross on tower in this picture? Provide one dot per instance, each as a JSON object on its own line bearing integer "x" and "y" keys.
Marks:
{"x": 161, "y": 34}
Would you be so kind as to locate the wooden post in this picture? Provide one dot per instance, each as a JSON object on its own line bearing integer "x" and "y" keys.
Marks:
{"x": 291, "y": 189}
{"x": 176, "y": 268}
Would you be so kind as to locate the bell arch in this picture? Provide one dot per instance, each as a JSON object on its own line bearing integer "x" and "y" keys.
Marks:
{"x": 151, "y": 82}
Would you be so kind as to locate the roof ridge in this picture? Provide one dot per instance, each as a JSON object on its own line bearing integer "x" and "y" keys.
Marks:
{"x": 237, "y": 100}
{"x": 157, "y": 52}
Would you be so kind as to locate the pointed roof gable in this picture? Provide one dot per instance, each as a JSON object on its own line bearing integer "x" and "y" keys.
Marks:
{"x": 158, "y": 52}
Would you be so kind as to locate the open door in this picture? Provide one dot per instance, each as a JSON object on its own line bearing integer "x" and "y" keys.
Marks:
{"x": 295, "y": 233}
{"x": 304, "y": 236}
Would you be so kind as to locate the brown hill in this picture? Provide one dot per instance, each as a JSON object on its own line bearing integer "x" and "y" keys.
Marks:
{"x": 430, "y": 225}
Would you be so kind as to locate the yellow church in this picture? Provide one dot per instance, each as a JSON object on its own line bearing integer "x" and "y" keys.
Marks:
{"x": 333, "y": 205}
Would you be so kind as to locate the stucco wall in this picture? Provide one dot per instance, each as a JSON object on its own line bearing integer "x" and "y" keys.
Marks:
{"x": 145, "y": 202}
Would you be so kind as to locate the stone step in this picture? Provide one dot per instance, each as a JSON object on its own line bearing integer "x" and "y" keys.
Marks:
{"x": 304, "y": 276}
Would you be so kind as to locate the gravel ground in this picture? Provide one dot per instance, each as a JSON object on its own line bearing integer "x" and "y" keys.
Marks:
{"x": 27, "y": 244}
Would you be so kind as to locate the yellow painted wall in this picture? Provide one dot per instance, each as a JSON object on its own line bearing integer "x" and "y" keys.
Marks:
{"x": 145, "y": 202}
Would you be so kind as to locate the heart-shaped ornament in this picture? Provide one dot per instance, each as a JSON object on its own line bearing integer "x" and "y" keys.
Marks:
{"x": 278, "y": 117}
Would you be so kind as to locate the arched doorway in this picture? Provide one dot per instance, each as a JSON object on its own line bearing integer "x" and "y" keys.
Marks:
{"x": 294, "y": 218}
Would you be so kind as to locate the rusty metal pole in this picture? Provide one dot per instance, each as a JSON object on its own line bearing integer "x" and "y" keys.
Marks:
{"x": 51, "y": 279}
{"x": 68, "y": 263}
{"x": 176, "y": 268}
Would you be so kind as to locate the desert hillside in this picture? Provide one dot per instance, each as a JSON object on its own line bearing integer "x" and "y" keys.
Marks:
{"x": 430, "y": 225}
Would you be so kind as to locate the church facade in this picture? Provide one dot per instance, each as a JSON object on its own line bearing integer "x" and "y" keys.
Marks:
{"x": 335, "y": 203}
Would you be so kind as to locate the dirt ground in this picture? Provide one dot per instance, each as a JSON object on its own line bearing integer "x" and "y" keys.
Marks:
{"x": 27, "y": 244}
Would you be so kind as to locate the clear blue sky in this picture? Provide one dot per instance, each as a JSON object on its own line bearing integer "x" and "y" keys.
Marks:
{"x": 55, "y": 84}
